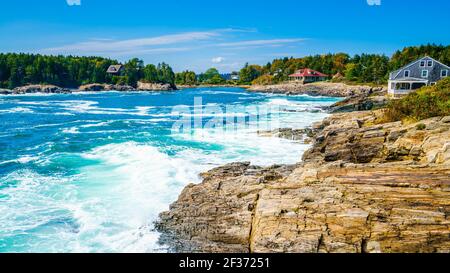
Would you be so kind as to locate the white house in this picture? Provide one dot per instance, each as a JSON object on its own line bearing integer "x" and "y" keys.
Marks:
{"x": 424, "y": 71}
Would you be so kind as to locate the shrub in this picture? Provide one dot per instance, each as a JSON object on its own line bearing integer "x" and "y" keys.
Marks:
{"x": 421, "y": 126}
{"x": 263, "y": 80}
{"x": 427, "y": 102}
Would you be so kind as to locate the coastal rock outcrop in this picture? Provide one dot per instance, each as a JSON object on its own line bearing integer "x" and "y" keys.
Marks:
{"x": 356, "y": 138}
{"x": 40, "y": 88}
{"x": 288, "y": 133}
{"x": 5, "y": 91}
{"x": 363, "y": 187}
{"x": 143, "y": 86}
{"x": 362, "y": 102}
{"x": 317, "y": 89}
{"x": 96, "y": 87}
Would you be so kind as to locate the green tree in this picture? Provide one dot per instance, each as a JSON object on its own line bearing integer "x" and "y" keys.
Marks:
{"x": 150, "y": 73}
{"x": 186, "y": 78}
{"x": 211, "y": 76}
{"x": 250, "y": 73}
{"x": 134, "y": 70}
{"x": 165, "y": 74}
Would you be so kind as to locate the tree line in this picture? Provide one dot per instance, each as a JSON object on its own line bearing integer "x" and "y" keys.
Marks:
{"x": 360, "y": 68}
{"x": 71, "y": 71}
{"x": 210, "y": 76}
{"x": 135, "y": 70}
{"x": 363, "y": 68}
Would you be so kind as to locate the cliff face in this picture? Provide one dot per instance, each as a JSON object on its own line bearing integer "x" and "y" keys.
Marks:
{"x": 361, "y": 188}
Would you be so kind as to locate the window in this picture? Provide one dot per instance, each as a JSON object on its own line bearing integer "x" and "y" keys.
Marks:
{"x": 424, "y": 73}
{"x": 444, "y": 73}
{"x": 430, "y": 63}
{"x": 407, "y": 73}
{"x": 422, "y": 63}
{"x": 405, "y": 86}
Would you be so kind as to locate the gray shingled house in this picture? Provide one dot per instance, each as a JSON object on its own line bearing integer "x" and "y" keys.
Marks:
{"x": 115, "y": 69}
{"x": 424, "y": 71}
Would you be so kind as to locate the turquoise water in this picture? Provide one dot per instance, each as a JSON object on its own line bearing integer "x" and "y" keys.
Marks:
{"x": 90, "y": 172}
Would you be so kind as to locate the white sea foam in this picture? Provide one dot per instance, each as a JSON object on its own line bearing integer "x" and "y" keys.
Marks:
{"x": 112, "y": 204}
{"x": 71, "y": 130}
{"x": 211, "y": 92}
{"x": 137, "y": 182}
{"x": 96, "y": 124}
{"x": 118, "y": 190}
{"x": 91, "y": 107}
{"x": 23, "y": 110}
{"x": 22, "y": 160}
{"x": 31, "y": 204}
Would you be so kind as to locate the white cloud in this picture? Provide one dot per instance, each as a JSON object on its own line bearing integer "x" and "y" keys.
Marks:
{"x": 73, "y": 2}
{"x": 132, "y": 45}
{"x": 218, "y": 60}
{"x": 255, "y": 43}
{"x": 235, "y": 66}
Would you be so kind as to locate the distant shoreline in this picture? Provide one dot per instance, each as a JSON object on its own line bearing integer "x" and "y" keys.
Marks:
{"x": 290, "y": 88}
{"x": 94, "y": 87}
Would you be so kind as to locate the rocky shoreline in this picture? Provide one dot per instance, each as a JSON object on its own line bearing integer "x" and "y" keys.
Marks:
{"x": 94, "y": 87}
{"x": 317, "y": 89}
{"x": 363, "y": 187}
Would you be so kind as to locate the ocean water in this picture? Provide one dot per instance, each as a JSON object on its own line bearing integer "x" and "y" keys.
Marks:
{"x": 90, "y": 172}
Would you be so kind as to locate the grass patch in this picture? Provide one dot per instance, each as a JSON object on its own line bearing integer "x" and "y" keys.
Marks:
{"x": 421, "y": 126}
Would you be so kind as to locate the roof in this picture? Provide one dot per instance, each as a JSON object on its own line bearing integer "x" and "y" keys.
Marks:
{"x": 306, "y": 72}
{"x": 114, "y": 68}
{"x": 393, "y": 75}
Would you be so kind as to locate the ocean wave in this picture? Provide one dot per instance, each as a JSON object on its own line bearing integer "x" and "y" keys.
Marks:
{"x": 212, "y": 92}
{"x": 105, "y": 199}
{"x": 21, "y": 160}
{"x": 134, "y": 176}
{"x": 22, "y": 110}
{"x": 71, "y": 130}
{"x": 97, "y": 124}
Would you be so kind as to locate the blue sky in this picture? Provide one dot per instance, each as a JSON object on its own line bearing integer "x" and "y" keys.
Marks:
{"x": 224, "y": 34}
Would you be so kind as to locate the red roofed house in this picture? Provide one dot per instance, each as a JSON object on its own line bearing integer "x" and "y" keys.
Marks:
{"x": 307, "y": 75}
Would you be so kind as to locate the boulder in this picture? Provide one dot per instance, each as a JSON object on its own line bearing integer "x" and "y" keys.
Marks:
{"x": 97, "y": 87}
{"x": 5, "y": 91}
{"x": 39, "y": 88}
{"x": 143, "y": 86}
{"x": 94, "y": 87}
{"x": 286, "y": 133}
